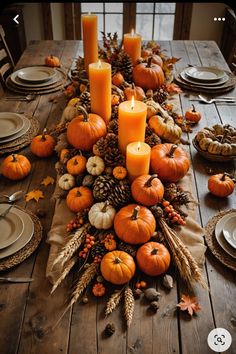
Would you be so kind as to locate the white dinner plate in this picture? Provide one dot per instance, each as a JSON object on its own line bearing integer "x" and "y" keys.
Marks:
{"x": 229, "y": 231}
{"x": 10, "y": 123}
{"x": 220, "y": 237}
{"x": 11, "y": 227}
{"x": 185, "y": 77}
{"x": 205, "y": 73}
{"x": 36, "y": 73}
{"x": 19, "y": 134}
{"x": 25, "y": 236}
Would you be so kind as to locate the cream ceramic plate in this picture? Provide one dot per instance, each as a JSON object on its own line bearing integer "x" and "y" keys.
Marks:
{"x": 221, "y": 81}
{"x": 17, "y": 81}
{"x": 203, "y": 73}
{"x": 19, "y": 134}
{"x": 36, "y": 73}
{"x": 25, "y": 236}
{"x": 10, "y": 123}
{"x": 220, "y": 237}
{"x": 229, "y": 231}
{"x": 11, "y": 227}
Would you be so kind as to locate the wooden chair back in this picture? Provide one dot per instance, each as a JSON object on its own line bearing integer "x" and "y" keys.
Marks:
{"x": 6, "y": 62}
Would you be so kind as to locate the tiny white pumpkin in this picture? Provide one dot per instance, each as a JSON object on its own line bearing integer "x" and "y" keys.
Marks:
{"x": 69, "y": 113}
{"x": 66, "y": 181}
{"x": 95, "y": 165}
{"x": 101, "y": 215}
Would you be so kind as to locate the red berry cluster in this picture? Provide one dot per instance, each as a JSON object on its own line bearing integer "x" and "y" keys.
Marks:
{"x": 97, "y": 259}
{"x": 74, "y": 223}
{"x": 172, "y": 215}
{"x": 89, "y": 242}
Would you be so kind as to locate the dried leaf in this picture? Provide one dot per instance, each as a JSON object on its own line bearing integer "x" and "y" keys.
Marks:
{"x": 189, "y": 304}
{"x": 173, "y": 88}
{"x": 48, "y": 180}
{"x": 35, "y": 194}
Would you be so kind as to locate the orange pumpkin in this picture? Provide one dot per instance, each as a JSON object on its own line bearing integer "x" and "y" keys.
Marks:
{"x": 43, "y": 145}
{"x": 193, "y": 115}
{"x": 156, "y": 59}
{"x": 134, "y": 224}
{"x": 76, "y": 165}
{"x": 147, "y": 190}
{"x": 118, "y": 79}
{"x": 135, "y": 91}
{"x": 98, "y": 289}
{"x": 119, "y": 172}
{"x": 52, "y": 61}
{"x": 170, "y": 162}
{"x": 64, "y": 155}
{"x": 15, "y": 167}
{"x": 79, "y": 198}
{"x": 148, "y": 75}
{"x": 221, "y": 185}
{"x": 153, "y": 258}
{"x": 117, "y": 267}
{"x": 84, "y": 130}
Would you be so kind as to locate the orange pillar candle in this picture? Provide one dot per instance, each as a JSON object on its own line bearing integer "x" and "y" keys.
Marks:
{"x": 131, "y": 123}
{"x": 132, "y": 45}
{"x": 100, "y": 89}
{"x": 90, "y": 39}
{"x": 137, "y": 159}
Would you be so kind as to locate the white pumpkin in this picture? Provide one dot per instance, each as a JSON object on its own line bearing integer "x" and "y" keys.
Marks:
{"x": 69, "y": 113}
{"x": 95, "y": 165}
{"x": 66, "y": 181}
{"x": 101, "y": 215}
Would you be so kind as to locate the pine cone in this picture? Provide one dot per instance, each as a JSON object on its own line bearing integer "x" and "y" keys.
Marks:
{"x": 100, "y": 147}
{"x": 171, "y": 190}
{"x": 120, "y": 194}
{"x": 148, "y": 131}
{"x": 153, "y": 140}
{"x": 127, "y": 248}
{"x": 102, "y": 187}
{"x": 111, "y": 140}
{"x": 85, "y": 100}
{"x": 113, "y": 157}
{"x": 114, "y": 113}
{"x": 161, "y": 94}
{"x": 125, "y": 66}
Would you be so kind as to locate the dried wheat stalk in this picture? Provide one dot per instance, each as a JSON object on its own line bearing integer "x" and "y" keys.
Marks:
{"x": 129, "y": 305}
{"x": 69, "y": 265}
{"x": 71, "y": 246}
{"x": 113, "y": 302}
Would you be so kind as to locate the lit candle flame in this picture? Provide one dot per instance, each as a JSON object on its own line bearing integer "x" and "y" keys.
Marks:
{"x": 132, "y": 32}
{"x": 132, "y": 102}
{"x": 99, "y": 64}
{"x": 139, "y": 146}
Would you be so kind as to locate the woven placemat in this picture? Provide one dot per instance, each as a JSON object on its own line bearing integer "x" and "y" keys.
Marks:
{"x": 23, "y": 140}
{"x": 28, "y": 249}
{"x": 212, "y": 243}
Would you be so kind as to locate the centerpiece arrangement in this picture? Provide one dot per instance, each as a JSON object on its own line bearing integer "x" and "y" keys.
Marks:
{"x": 119, "y": 169}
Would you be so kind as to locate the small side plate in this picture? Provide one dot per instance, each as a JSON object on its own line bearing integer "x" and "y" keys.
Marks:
{"x": 229, "y": 231}
{"x": 205, "y": 73}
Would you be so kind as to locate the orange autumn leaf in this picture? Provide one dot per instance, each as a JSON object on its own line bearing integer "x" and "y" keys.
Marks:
{"x": 35, "y": 194}
{"x": 173, "y": 88}
{"x": 48, "y": 180}
{"x": 189, "y": 304}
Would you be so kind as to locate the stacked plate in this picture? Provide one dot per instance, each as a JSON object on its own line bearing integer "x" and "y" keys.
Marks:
{"x": 17, "y": 229}
{"x": 205, "y": 79}
{"x": 225, "y": 232}
{"x": 12, "y": 126}
{"x": 35, "y": 79}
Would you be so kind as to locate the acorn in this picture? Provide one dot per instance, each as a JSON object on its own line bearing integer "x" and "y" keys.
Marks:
{"x": 154, "y": 306}
{"x": 151, "y": 294}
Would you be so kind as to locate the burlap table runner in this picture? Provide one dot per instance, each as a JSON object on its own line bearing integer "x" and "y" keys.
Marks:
{"x": 191, "y": 234}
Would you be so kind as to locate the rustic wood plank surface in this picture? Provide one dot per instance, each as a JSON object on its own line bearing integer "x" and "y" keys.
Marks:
{"x": 28, "y": 312}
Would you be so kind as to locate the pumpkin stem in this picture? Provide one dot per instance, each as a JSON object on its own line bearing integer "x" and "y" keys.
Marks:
{"x": 172, "y": 150}
{"x": 149, "y": 62}
{"x": 135, "y": 213}
{"x": 78, "y": 193}
{"x": 225, "y": 134}
{"x": 75, "y": 162}
{"x": 14, "y": 159}
{"x": 193, "y": 109}
{"x": 43, "y": 138}
{"x": 84, "y": 112}
{"x": 104, "y": 208}
{"x": 154, "y": 251}
{"x": 148, "y": 183}
{"x": 117, "y": 260}
{"x": 223, "y": 176}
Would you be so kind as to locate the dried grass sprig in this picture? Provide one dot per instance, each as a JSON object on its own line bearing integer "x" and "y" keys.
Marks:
{"x": 113, "y": 301}
{"x": 68, "y": 266}
{"x": 129, "y": 305}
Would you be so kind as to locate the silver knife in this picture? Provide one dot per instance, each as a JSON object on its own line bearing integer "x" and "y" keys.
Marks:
{"x": 15, "y": 280}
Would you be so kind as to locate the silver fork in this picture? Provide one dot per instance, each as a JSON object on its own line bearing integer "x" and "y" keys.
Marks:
{"x": 212, "y": 100}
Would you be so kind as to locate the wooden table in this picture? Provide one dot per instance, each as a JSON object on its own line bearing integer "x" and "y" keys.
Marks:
{"x": 27, "y": 310}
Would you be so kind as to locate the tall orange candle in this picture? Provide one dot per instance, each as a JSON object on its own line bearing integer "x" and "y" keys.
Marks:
{"x": 100, "y": 89}
{"x": 131, "y": 123}
{"x": 132, "y": 45}
{"x": 90, "y": 39}
{"x": 137, "y": 159}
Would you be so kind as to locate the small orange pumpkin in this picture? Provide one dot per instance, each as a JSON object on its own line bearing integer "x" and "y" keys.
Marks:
{"x": 52, "y": 61}
{"x": 117, "y": 267}
{"x": 193, "y": 115}
{"x": 134, "y": 224}
{"x": 147, "y": 190}
{"x": 64, "y": 155}
{"x": 148, "y": 75}
{"x": 118, "y": 79}
{"x": 98, "y": 289}
{"x": 119, "y": 172}
{"x": 110, "y": 244}
{"x": 16, "y": 167}
{"x": 135, "y": 91}
{"x": 76, "y": 165}
{"x": 79, "y": 198}
{"x": 43, "y": 145}
{"x": 84, "y": 130}
{"x": 115, "y": 100}
{"x": 221, "y": 185}
{"x": 156, "y": 59}
{"x": 170, "y": 162}
{"x": 153, "y": 258}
